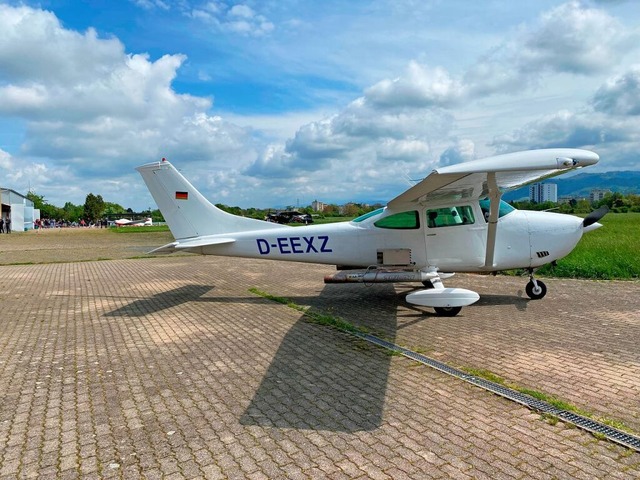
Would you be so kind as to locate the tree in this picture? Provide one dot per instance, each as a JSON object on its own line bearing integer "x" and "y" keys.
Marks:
{"x": 111, "y": 208}
{"x": 156, "y": 215}
{"x": 72, "y": 213}
{"x": 38, "y": 200}
{"x": 582, "y": 206}
{"x": 46, "y": 209}
{"x": 331, "y": 210}
{"x": 350, "y": 210}
{"x": 93, "y": 207}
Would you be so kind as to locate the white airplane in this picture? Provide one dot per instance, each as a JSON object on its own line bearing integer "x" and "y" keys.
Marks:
{"x": 452, "y": 221}
{"x": 123, "y": 222}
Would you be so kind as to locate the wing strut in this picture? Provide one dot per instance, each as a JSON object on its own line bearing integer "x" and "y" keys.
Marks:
{"x": 494, "y": 208}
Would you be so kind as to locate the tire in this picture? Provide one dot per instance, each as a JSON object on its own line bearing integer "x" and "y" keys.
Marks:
{"x": 536, "y": 293}
{"x": 447, "y": 311}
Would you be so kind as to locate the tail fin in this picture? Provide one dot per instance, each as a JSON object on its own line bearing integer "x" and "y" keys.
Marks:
{"x": 185, "y": 210}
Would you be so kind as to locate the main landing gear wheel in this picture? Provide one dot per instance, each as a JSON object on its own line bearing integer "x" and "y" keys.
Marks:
{"x": 536, "y": 290}
{"x": 447, "y": 311}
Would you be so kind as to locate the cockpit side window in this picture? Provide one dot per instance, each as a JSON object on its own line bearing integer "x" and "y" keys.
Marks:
{"x": 450, "y": 216}
{"x": 400, "y": 221}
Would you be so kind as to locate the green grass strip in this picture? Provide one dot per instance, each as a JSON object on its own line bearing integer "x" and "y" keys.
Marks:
{"x": 550, "y": 399}
{"x": 316, "y": 317}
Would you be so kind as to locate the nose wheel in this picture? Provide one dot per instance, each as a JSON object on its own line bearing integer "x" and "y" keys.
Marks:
{"x": 535, "y": 289}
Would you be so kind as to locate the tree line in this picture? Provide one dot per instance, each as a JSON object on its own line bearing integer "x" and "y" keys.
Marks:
{"x": 330, "y": 210}
{"x": 616, "y": 201}
{"x": 93, "y": 209}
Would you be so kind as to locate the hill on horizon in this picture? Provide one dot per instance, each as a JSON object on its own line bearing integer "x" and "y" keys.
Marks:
{"x": 580, "y": 185}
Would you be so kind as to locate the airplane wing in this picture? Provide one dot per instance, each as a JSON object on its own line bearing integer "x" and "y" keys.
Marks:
{"x": 474, "y": 179}
{"x": 491, "y": 177}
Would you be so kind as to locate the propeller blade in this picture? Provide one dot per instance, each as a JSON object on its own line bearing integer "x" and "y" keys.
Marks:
{"x": 594, "y": 216}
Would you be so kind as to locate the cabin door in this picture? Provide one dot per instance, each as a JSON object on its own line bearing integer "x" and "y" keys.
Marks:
{"x": 455, "y": 238}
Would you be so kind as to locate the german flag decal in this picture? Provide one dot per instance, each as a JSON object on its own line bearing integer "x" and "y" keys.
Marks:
{"x": 182, "y": 195}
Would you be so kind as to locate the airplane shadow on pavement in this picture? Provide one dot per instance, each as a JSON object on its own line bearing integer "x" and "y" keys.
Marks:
{"x": 320, "y": 378}
{"x": 324, "y": 379}
{"x": 161, "y": 301}
{"x": 519, "y": 302}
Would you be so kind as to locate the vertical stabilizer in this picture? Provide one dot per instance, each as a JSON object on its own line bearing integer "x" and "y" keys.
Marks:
{"x": 185, "y": 210}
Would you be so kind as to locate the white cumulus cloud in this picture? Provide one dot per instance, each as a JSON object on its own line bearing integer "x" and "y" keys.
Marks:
{"x": 620, "y": 95}
{"x": 91, "y": 109}
{"x": 420, "y": 87}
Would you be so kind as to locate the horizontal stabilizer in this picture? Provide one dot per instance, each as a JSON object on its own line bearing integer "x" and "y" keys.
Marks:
{"x": 165, "y": 249}
{"x": 189, "y": 244}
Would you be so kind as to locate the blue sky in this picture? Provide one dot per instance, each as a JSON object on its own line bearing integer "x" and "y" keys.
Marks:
{"x": 273, "y": 103}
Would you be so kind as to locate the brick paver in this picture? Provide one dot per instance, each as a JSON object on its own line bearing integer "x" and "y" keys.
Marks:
{"x": 169, "y": 368}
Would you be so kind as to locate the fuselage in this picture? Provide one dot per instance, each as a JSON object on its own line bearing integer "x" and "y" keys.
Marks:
{"x": 450, "y": 238}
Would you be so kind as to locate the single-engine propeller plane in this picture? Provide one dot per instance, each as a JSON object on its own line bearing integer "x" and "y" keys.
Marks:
{"x": 125, "y": 222}
{"x": 454, "y": 220}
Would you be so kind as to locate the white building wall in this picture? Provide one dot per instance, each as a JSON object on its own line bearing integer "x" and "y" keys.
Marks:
{"x": 17, "y": 217}
{"x": 22, "y": 211}
{"x": 598, "y": 194}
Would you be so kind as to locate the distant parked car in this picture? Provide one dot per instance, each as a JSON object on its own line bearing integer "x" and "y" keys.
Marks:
{"x": 304, "y": 218}
{"x": 289, "y": 216}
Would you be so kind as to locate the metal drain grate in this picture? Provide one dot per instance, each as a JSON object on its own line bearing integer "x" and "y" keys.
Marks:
{"x": 579, "y": 421}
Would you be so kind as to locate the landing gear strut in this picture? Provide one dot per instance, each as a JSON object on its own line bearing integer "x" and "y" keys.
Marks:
{"x": 535, "y": 289}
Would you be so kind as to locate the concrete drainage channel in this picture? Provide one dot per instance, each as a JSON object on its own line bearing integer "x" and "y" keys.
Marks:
{"x": 613, "y": 434}
{"x": 580, "y": 421}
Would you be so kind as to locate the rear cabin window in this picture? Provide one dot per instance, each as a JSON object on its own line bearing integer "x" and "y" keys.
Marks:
{"x": 400, "y": 221}
{"x": 450, "y": 216}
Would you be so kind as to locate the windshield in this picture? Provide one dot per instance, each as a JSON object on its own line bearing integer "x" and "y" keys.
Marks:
{"x": 505, "y": 208}
{"x": 368, "y": 215}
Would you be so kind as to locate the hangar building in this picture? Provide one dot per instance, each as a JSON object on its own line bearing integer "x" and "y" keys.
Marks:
{"x": 19, "y": 209}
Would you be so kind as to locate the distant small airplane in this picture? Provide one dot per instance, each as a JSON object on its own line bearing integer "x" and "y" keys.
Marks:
{"x": 123, "y": 222}
{"x": 452, "y": 221}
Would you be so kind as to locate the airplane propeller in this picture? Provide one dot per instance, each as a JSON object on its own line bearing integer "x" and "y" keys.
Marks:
{"x": 594, "y": 216}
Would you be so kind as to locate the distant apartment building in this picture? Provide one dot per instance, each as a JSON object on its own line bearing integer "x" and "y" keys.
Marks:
{"x": 598, "y": 194}
{"x": 317, "y": 206}
{"x": 543, "y": 192}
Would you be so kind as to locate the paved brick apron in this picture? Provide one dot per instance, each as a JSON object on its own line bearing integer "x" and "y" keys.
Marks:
{"x": 169, "y": 367}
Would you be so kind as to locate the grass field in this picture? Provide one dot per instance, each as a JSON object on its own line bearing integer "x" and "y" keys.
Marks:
{"x": 611, "y": 252}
